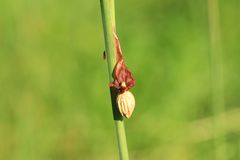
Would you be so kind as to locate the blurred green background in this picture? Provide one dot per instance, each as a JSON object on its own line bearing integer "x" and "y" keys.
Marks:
{"x": 54, "y": 96}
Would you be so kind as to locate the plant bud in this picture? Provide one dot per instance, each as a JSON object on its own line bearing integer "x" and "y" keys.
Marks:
{"x": 126, "y": 103}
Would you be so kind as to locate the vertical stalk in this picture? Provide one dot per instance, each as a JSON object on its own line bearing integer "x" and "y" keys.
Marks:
{"x": 217, "y": 81}
{"x": 108, "y": 20}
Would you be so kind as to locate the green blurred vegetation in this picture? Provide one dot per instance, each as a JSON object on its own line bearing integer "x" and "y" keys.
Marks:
{"x": 54, "y": 99}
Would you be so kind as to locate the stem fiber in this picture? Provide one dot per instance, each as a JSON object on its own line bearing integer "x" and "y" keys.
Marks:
{"x": 108, "y": 20}
{"x": 217, "y": 81}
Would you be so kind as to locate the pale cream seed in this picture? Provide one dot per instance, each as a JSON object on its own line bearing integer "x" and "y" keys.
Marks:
{"x": 126, "y": 103}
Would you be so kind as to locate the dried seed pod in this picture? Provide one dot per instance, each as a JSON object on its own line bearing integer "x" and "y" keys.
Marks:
{"x": 126, "y": 103}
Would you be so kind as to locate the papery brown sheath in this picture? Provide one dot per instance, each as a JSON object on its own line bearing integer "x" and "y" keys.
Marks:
{"x": 123, "y": 78}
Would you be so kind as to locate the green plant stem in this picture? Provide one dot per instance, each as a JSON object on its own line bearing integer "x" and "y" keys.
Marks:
{"x": 108, "y": 19}
{"x": 217, "y": 81}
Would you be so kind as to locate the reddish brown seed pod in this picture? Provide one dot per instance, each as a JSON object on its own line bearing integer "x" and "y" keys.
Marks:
{"x": 123, "y": 81}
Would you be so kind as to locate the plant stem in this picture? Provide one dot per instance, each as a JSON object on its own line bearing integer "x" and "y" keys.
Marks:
{"x": 108, "y": 20}
{"x": 217, "y": 81}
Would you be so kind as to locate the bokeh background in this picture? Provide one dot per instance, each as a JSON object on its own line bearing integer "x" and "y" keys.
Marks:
{"x": 54, "y": 96}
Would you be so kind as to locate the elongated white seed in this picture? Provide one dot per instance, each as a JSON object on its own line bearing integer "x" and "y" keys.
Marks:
{"x": 126, "y": 103}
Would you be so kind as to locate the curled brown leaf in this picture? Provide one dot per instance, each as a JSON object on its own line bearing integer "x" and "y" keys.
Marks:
{"x": 123, "y": 78}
